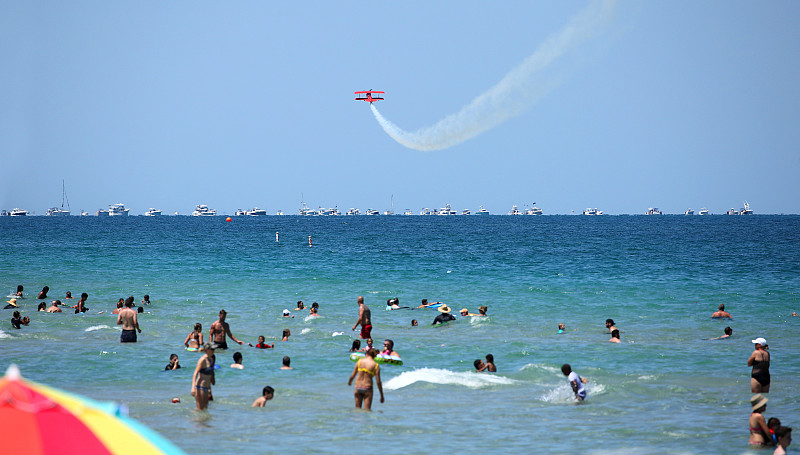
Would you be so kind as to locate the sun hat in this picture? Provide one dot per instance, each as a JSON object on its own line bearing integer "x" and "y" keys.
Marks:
{"x": 760, "y": 341}
{"x": 444, "y": 309}
{"x": 285, "y": 311}
{"x": 482, "y": 308}
{"x": 13, "y": 302}
{"x": 464, "y": 310}
{"x": 757, "y": 401}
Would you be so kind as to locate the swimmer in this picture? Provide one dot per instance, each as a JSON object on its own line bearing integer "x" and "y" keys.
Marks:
{"x": 173, "y": 363}
{"x": 203, "y": 377}
{"x": 794, "y": 313}
{"x": 43, "y": 294}
{"x": 610, "y": 325}
{"x": 365, "y": 369}
{"x": 220, "y": 329}
{"x": 575, "y": 381}
{"x": 759, "y": 431}
{"x": 286, "y": 363}
{"x": 146, "y": 299}
{"x": 237, "y": 361}
{"x": 425, "y": 303}
{"x": 286, "y": 334}
{"x": 392, "y": 304}
{"x": 266, "y": 394}
{"x": 615, "y": 336}
{"x": 262, "y": 345}
{"x": 119, "y": 306}
{"x": 356, "y": 347}
{"x": 562, "y": 327}
{"x": 479, "y": 365}
{"x": 368, "y": 346}
{"x": 81, "y": 306}
{"x": 490, "y": 366}
{"x": 286, "y": 313}
{"x": 300, "y": 306}
{"x": 129, "y": 321}
{"x": 312, "y": 313}
{"x": 18, "y": 294}
{"x": 17, "y": 320}
{"x": 444, "y": 315}
{"x": 784, "y": 436}
{"x": 11, "y": 304}
{"x": 759, "y": 360}
{"x": 42, "y": 306}
{"x": 414, "y": 323}
{"x": 388, "y": 348}
{"x": 772, "y": 424}
{"x": 68, "y": 296}
{"x": 194, "y": 340}
{"x": 482, "y": 310}
{"x": 721, "y": 313}
{"x": 728, "y": 332}
{"x": 54, "y": 307}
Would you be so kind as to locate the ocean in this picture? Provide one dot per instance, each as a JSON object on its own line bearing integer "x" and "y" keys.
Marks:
{"x": 664, "y": 389}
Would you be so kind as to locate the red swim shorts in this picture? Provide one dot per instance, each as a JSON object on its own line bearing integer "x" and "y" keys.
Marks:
{"x": 365, "y": 331}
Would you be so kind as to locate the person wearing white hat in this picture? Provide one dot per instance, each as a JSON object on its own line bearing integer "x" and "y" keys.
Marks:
{"x": 287, "y": 314}
{"x": 759, "y": 360}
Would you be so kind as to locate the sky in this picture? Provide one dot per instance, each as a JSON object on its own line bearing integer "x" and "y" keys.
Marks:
{"x": 672, "y": 105}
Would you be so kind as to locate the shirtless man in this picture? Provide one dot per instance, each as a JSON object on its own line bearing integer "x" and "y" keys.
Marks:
{"x": 54, "y": 308}
{"x": 610, "y": 325}
{"x": 366, "y": 368}
{"x": 219, "y": 329}
{"x": 721, "y": 313}
{"x": 130, "y": 323}
{"x": 364, "y": 319}
{"x": 118, "y": 308}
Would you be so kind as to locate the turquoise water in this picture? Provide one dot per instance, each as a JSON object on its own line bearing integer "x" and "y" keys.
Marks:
{"x": 664, "y": 389}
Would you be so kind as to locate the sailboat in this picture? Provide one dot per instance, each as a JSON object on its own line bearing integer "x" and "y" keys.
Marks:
{"x": 55, "y": 211}
{"x": 391, "y": 210}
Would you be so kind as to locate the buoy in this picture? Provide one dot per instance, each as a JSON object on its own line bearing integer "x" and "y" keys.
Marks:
{"x": 309, "y": 240}
{"x": 228, "y": 219}
{"x": 276, "y": 236}
{"x": 176, "y": 400}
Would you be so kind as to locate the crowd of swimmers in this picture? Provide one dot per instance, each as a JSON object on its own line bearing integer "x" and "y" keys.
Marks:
{"x": 763, "y": 432}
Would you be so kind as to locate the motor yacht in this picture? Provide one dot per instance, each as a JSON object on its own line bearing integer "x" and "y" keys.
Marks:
{"x": 240, "y": 212}
{"x": 514, "y": 210}
{"x": 152, "y": 212}
{"x": 593, "y": 211}
{"x": 466, "y": 212}
{"x": 689, "y": 212}
{"x": 746, "y": 210}
{"x": 703, "y": 211}
{"x": 653, "y": 211}
{"x": 482, "y": 211}
{"x": 279, "y": 212}
{"x": 353, "y": 211}
{"x": 256, "y": 212}
{"x": 373, "y": 212}
{"x": 426, "y": 211}
{"x": 102, "y": 212}
{"x": 117, "y": 210}
{"x": 305, "y": 211}
{"x": 408, "y": 212}
{"x": 446, "y": 210}
{"x": 534, "y": 211}
{"x": 18, "y": 212}
{"x": 203, "y": 210}
{"x": 732, "y": 211}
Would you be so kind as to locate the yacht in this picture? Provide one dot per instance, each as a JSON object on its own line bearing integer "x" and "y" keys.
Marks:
{"x": 334, "y": 211}
{"x": 102, "y": 212}
{"x": 353, "y": 211}
{"x": 446, "y": 210}
{"x": 746, "y": 210}
{"x": 55, "y": 211}
{"x": 152, "y": 212}
{"x": 408, "y": 212}
{"x": 305, "y": 211}
{"x": 534, "y": 211}
{"x": 117, "y": 210}
{"x": 426, "y": 211}
{"x": 256, "y": 212}
{"x": 732, "y": 211}
{"x": 482, "y": 211}
{"x": 373, "y": 212}
{"x": 514, "y": 211}
{"x": 703, "y": 211}
{"x": 18, "y": 212}
{"x": 240, "y": 212}
{"x": 593, "y": 211}
{"x": 653, "y": 211}
{"x": 279, "y": 212}
{"x": 85, "y": 213}
{"x": 391, "y": 207}
{"x": 689, "y": 212}
{"x": 203, "y": 210}
{"x": 465, "y": 212}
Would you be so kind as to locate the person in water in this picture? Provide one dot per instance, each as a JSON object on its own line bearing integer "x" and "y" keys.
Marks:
{"x": 562, "y": 327}
{"x": 203, "y": 377}
{"x": 43, "y": 293}
{"x": 286, "y": 313}
{"x": 18, "y": 294}
{"x": 195, "y": 339}
{"x": 68, "y": 296}
{"x": 772, "y": 424}
{"x": 575, "y": 381}
{"x": 42, "y": 306}
{"x": 727, "y": 333}
{"x": 425, "y": 303}
{"x": 17, "y": 320}
{"x": 414, "y": 323}
{"x": 266, "y": 394}
{"x": 759, "y": 431}
{"x": 784, "y": 436}
{"x": 610, "y": 325}
{"x": 220, "y": 329}
{"x": 444, "y": 315}
{"x": 81, "y": 306}
{"x": 479, "y": 365}
{"x": 388, "y": 348}
{"x": 237, "y": 361}
{"x": 721, "y": 313}
{"x": 368, "y": 346}
{"x": 759, "y": 360}
{"x": 615, "y": 336}
{"x": 173, "y": 363}
{"x": 54, "y": 307}
{"x": 129, "y": 321}
{"x": 300, "y": 306}
{"x": 365, "y": 369}
{"x": 356, "y": 347}
{"x": 146, "y": 299}
{"x": 11, "y": 304}
{"x": 262, "y": 343}
{"x": 286, "y": 334}
{"x": 119, "y": 307}
{"x": 364, "y": 319}
{"x": 286, "y": 363}
{"x": 393, "y": 304}
{"x": 490, "y": 366}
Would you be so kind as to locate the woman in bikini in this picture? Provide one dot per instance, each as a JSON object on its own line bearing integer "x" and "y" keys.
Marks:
{"x": 366, "y": 369}
{"x": 203, "y": 377}
{"x": 759, "y": 432}
{"x": 194, "y": 340}
{"x": 759, "y": 360}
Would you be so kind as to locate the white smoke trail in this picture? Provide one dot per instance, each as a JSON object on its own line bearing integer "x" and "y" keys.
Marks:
{"x": 520, "y": 89}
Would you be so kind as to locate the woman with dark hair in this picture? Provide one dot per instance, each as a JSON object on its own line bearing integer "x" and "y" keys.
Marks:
{"x": 356, "y": 346}
{"x": 759, "y": 431}
{"x": 68, "y": 296}
{"x": 18, "y": 294}
{"x": 615, "y": 336}
{"x": 286, "y": 334}
{"x": 42, "y": 306}
{"x": 203, "y": 376}
{"x": 490, "y": 366}
{"x": 194, "y": 340}
{"x": 366, "y": 368}
{"x": 43, "y": 294}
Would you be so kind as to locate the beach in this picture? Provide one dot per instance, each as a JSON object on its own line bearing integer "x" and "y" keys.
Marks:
{"x": 664, "y": 389}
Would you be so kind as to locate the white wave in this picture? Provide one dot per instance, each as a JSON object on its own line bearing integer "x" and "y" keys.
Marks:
{"x": 539, "y": 366}
{"x": 336, "y": 334}
{"x": 97, "y": 327}
{"x": 305, "y": 331}
{"x": 564, "y": 394}
{"x": 520, "y": 89}
{"x": 4, "y": 334}
{"x": 440, "y": 376}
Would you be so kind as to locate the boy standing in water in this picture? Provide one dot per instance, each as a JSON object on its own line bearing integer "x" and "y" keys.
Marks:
{"x": 266, "y": 395}
{"x": 575, "y": 381}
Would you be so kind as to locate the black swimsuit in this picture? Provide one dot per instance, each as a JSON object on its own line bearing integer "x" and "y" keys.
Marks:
{"x": 761, "y": 371}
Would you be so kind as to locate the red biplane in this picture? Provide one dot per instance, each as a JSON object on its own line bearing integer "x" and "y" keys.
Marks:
{"x": 369, "y": 96}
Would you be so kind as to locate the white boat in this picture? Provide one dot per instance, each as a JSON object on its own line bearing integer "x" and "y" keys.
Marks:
{"x": 732, "y": 211}
{"x": 240, "y": 212}
{"x": 117, "y": 210}
{"x": 593, "y": 211}
{"x": 391, "y": 207}
{"x": 102, "y": 212}
{"x": 85, "y": 213}
{"x": 534, "y": 211}
{"x": 482, "y": 211}
{"x": 689, "y": 212}
{"x": 653, "y": 211}
{"x": 18, "y": 212}
{"x": 353, "y": 211}
{"x": 203, "y": 210}
{"x": 746, "y": 210}
{"x": 408, "y": 212}
{"x": 279, "y": 212}
{"x": 373, "y": 212}
{"x": 55, "y": 211}
{"x": 446, "y": 210}
{"x": 514, "y": 210}
{"x": 152, "y": 212}
{"x": 465, "y": 212}
{"x": 333, "y": 211}
{"x": 703, "y": 211}
{"x": 256, "y": 212}
{"x": 426, "y": 211}
{"x": 305, "y": 211}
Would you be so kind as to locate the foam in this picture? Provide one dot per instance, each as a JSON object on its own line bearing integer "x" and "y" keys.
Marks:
{"x": 4, "y": 335}
{"x": 336, "y": 334}
{"x": 564, "y": 394}
{"x": 97, "y": 327}
{"x": 471, "y": 380}
{"x": 305, "y": 331}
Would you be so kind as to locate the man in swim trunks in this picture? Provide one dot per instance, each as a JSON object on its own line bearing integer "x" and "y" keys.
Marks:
{"x": 219, "y": 330}
{"x": 575, "y": 381}
{"x": 721, "y": 313}
{"x": 364, "y": 319}
{"x": 130, "y": 324}
{"x": 366, "y": 368}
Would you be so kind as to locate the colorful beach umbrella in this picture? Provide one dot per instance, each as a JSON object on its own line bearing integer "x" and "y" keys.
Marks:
{"x": 37, "y": 419}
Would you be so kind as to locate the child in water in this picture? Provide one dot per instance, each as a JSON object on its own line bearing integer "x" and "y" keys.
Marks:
{"x": 266, "y": 394}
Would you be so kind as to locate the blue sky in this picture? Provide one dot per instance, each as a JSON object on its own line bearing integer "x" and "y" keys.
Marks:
{"x": 242, "y": 104}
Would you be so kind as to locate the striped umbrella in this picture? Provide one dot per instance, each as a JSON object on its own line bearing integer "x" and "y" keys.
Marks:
{"x": 37, "y": 419}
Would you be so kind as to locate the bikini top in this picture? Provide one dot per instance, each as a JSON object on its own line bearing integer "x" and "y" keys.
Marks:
{"x": 208, "y": 369}
{"x": 369, "y": 372}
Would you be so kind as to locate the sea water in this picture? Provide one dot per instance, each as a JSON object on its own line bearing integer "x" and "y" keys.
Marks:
{"x": 664, "y": 389}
